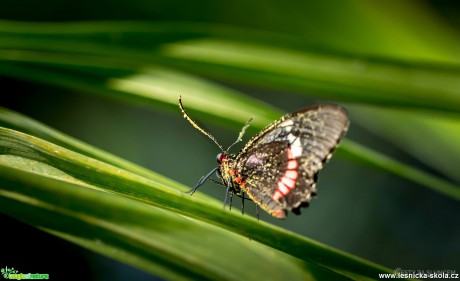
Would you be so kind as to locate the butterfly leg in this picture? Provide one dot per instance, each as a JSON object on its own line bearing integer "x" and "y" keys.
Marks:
{"x": 242, "y": 203}
{"x": 216, "y": 182}
{"x": 229, "y": 184}
{"x": 231, "y": 199}
{"x": 202, "y": 181}
{"x": 257, "y": 211}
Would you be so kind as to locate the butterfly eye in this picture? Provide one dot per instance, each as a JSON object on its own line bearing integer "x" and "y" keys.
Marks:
{"x": 220, "y": 157}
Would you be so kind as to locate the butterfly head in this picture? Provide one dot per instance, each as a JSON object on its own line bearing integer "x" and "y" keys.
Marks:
{"x": 221, "y": 157}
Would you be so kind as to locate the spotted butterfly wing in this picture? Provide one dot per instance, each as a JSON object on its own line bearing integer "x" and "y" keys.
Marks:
{"x": 278, "y": 167}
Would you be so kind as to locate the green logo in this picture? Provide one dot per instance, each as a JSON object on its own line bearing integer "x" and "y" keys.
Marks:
{"x": 12, "y": 274}
{"x": 6, "y": 271}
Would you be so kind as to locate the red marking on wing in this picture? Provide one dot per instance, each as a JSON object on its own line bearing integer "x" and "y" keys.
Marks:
{"x": 279, "y": 214}
{"x": 283, "y": 188}
{"x": 292, "y": 174}
{"x": 292, "y": 164}
{"x": 288, "y": 180}
{"x": 277, "y": 195}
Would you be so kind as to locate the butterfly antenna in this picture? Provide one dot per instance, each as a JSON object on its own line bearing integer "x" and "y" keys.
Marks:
{"x": 243, "y": 130}
{"x": 194, "y": 124}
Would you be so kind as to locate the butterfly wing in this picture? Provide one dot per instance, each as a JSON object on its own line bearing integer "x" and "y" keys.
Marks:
{"x": 280, "y": 165}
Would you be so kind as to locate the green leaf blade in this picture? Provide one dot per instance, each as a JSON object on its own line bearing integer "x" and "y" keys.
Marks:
{"x": 156, "y": 236}
{"x": 110, "y": 179}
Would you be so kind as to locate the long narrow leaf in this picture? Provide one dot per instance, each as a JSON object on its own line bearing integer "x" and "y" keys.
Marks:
{"x": 78, "y": 169}
{"x": 224, "y": 107}
{"x": 231, "y": 54}
{"x": 155, "y": 240}
{"x": 430, "y": 137}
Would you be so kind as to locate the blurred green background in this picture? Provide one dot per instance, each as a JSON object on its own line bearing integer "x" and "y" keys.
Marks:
{"x": 361, "y": 210}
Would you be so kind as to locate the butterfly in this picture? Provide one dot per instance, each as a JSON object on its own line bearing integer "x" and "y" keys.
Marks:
{"x": 278, "y": 168}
